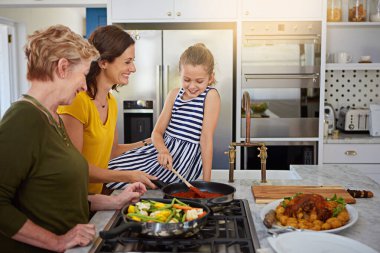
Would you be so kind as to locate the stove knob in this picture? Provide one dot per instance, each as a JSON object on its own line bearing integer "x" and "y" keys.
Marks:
{"x": 351, "y": 126}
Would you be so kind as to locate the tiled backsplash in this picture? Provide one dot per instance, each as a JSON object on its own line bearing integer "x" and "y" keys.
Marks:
{"x": 353, "y": 88}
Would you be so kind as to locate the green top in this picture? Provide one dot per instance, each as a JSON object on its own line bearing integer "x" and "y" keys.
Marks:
{"x": 43, "y": 177}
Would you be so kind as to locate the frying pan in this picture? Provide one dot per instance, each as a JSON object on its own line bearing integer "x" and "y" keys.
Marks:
{"x": 226, "y": 190}
{"x": 156, "y": 229}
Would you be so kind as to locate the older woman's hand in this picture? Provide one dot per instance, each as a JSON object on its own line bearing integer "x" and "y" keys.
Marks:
{"x": 80, "y": 235}
{"x": 131, "y": 194}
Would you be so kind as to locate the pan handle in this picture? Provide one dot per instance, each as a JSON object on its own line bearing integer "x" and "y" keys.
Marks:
{"x": 160, "y": 184}
{"x": 114, "y": 232}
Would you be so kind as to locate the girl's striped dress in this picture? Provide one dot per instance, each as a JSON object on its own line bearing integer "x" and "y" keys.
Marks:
{"x": 182, "y": 138}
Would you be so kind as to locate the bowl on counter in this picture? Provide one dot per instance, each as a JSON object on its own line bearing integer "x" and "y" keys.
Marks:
{"x": 259, "y": 107}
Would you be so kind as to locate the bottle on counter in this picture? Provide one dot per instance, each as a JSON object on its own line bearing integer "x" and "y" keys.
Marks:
{"x": 334, "y": 10}
{"x": 374, "y": 11}
{"x": 325, "y": 129}
{"x": 357, "y": 10}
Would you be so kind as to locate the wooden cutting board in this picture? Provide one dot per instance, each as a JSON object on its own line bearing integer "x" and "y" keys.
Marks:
{"x": 267, "y": 193}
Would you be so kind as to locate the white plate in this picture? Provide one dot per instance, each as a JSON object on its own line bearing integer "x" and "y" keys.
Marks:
{"x": 351, "y": 210}
{"x": 314, "y": 242}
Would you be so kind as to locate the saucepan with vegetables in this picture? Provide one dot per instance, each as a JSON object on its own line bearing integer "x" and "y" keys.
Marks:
{"x": 161, "y": 218}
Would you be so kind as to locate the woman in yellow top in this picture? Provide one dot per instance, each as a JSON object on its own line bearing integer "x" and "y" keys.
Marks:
{"x": 91, "y": 119}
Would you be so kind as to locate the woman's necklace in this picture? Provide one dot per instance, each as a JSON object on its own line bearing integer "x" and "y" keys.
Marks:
{"x": 57, "y": 125}
{"x": 102, "y": 105}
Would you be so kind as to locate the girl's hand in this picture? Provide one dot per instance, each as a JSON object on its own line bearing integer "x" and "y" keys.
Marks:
{"x": 165, "y": 159}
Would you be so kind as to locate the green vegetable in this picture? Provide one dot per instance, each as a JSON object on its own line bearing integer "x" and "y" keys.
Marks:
{"x": 290, "y": 198}
{"x": 341, "y": 204}
{"x": 143, "y": 218}
{"x": 171, "y": 215}
{"x": 164, "y": 212}
{"x": 183, "y": 218}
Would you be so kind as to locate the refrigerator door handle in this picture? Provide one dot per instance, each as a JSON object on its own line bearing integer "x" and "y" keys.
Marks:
{"x": 159, "y": 91}
{"x": 166, "y": 83}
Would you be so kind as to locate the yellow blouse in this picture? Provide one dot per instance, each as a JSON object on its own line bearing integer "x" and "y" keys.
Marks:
{"x": 97, "y": 137}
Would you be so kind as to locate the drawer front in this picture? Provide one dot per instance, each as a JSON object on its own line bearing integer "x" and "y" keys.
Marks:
{"x": 351, "y": 153}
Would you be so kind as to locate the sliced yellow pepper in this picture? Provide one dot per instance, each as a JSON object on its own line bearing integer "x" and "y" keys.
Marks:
{"x": 162, "y": 215}
{"x": 135, "y": 218}
{"x": 159, "y": 205}
{"x": 131, "y": 209}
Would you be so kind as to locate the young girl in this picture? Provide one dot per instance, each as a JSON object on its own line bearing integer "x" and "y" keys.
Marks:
{"x": 183, "y": 135}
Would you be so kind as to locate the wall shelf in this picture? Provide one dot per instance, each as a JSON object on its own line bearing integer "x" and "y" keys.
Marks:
{"x": 353, "y": 66}
{"x": 353, "y": 24}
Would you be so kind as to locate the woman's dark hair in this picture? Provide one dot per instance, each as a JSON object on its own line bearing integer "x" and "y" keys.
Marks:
{"x": 111, "y": 42}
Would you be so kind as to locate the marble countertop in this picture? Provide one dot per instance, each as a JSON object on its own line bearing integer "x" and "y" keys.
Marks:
{"x": 348, "y": 138}
{"x": 365, "y": 230}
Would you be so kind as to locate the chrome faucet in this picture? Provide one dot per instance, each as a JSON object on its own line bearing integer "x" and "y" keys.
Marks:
{"x": 246, "y": 105}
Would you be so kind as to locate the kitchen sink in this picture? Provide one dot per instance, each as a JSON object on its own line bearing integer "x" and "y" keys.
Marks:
{"x": 256, "y": 174}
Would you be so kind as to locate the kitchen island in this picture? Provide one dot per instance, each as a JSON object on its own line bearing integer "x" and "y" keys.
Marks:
{"x": 365, "y": 230}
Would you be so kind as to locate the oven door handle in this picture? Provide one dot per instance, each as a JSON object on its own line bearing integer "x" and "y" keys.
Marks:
{"x": 313, "y": 76}
{"x": 274, "y": 37}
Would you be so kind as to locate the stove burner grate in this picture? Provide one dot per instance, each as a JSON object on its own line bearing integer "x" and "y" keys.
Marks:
{"x": 229, "y": 229}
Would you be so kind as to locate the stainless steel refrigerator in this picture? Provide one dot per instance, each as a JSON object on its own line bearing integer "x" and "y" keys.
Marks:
{"x": 157, "y": 57}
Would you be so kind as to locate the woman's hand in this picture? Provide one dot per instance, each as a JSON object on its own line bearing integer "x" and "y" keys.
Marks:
{"x": 80, "y": 235}
{"x": 165, "y": 159}
{"x": 131, "y": 194}
{"x": 140, "y": 176}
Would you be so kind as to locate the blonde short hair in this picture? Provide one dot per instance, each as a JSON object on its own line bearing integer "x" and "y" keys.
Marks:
{"x": 45, "y": 47}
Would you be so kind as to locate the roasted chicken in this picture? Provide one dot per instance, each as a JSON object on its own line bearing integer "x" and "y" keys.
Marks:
{"x": 307, "y": 203}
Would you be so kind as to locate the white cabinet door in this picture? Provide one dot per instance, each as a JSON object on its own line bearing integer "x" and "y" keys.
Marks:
{"x": 124, "y": 10}
{"x": 351, "y": 153}
{"x": 206, "y": 9}
{"x": 281, "y": 9}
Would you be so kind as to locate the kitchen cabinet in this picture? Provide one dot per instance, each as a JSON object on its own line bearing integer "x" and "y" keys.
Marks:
{"x": 353, "y": 84}
{"x": 351, "y": 153}
{"x": 124, "y": 10}
{"x": 362, "y": 157}
{"x": 171, "y": 10}
{"x": 281, "y": 10}
{"x": 360, "y": 39}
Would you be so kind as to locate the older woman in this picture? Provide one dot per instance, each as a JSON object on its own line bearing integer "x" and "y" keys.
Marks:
{"x": 44, "y": 203}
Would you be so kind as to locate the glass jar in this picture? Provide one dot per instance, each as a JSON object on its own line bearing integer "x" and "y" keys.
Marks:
{"x": 374, "y": 9}
{"x": 357, "y": 10}
{"x": 334, "y": 10}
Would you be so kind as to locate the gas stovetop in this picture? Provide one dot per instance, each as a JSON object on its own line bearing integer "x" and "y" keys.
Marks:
{"x": 229, "y": 228}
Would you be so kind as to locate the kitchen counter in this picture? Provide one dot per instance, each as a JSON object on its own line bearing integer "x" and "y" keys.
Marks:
{"x": 352, "y": 138}
{"x": 364, "y": 230}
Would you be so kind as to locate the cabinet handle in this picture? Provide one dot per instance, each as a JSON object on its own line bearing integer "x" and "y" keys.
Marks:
{"x": 350, "y": 153}
{"x": 178, "y": 13}
{"x": 169, "y": 13}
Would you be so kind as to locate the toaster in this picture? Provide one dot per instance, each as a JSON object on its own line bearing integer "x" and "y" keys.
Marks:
{"x": 374, "y": 120}
{"x": 353, "y": 119}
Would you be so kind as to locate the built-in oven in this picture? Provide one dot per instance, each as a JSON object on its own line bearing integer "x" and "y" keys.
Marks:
{"x": 280, "y": 70}
{"x": 138, "y": 120}
{"x": 281, "y": 155}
